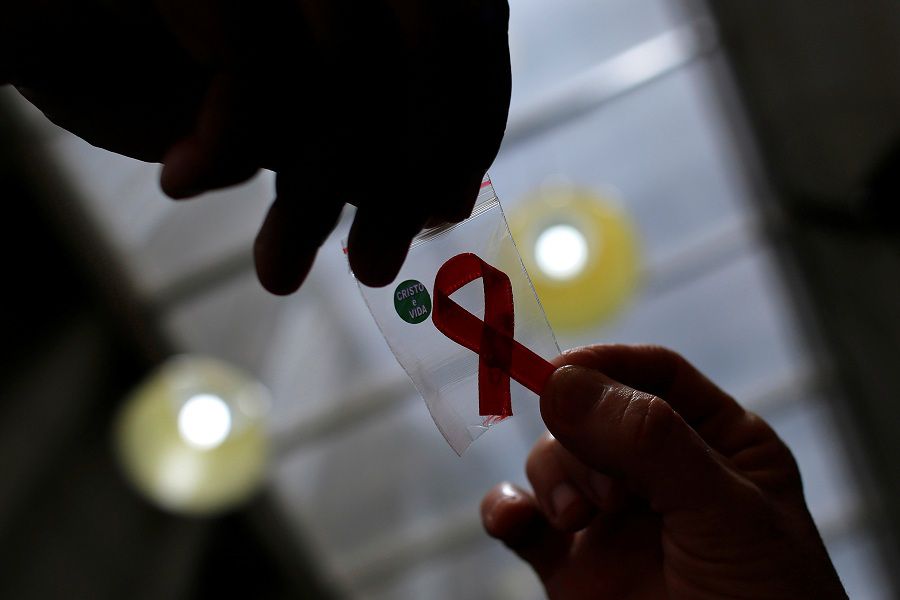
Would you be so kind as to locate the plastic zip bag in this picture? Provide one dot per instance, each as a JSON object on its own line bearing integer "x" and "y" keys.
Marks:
{"x": 461, "y": 317}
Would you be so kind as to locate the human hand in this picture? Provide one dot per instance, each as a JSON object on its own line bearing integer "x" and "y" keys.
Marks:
{"x": 395, "y": 106}
{"x": 656, "y": 484}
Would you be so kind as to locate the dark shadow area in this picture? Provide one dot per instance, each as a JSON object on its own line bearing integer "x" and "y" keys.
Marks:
{"x": 74, "y": 345}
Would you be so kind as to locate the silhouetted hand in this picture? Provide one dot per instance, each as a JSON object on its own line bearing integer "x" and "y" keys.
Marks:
{"x": 658, "y": 485}
{"x": 395, "y": 106}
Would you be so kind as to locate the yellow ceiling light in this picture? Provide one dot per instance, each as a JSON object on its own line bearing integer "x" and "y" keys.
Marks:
{"x": 192, "y": 437}
{"x": 581, "y": 251}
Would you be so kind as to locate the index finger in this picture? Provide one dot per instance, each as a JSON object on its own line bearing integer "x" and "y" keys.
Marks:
{"x": 379, "y": 241}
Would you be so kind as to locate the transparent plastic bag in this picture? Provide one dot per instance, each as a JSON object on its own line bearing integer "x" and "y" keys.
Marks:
{"x": 464, "y": 387}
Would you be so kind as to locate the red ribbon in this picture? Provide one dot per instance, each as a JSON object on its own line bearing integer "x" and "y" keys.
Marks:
{"x": 500, "y": 356}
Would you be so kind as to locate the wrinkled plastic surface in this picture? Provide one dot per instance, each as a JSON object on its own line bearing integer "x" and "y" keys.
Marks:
{"x": 444, "y": 372}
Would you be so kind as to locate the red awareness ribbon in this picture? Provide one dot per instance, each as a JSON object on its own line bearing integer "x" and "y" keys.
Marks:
{"x": 500, "y": 356}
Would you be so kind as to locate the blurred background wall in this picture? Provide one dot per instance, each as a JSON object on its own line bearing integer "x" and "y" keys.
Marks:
{"x": 750, "y": 146}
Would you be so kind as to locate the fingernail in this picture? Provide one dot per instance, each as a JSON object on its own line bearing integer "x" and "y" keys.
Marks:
{"x": 563, "y": 497}
{"x": 508, "y": 492}
{"x": 573, "y": 391}
{"x": 601, "y": 485}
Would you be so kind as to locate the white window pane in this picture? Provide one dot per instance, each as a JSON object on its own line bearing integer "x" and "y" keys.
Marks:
{"x": 548, "y": 46}
{"x": 658, "y": 149}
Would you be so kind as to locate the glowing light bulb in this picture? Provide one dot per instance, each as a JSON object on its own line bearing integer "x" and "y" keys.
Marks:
{"x": 191, "y": 437}
{"x": 584, "y": 256}
{"x": 561, "y": 251}
{"x": 204, "y": 421}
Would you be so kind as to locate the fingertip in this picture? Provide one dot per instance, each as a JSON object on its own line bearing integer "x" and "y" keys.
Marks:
{"x": 378, "y": 245}
{"x": 375, "y": 271}
{"x": 505, "y": 510}
{"x": 278, "y": 277}
{"x": 178, "y": 176}
{"x": 557, "y": 489}
{"x": 297, "y": 224}
{"x": 459, "y": 204}
{"x": 571, "y": 394}
{"x": 189, "y": 169}
{"x": 512, "y": 516}
{"x": 461, "y": 199}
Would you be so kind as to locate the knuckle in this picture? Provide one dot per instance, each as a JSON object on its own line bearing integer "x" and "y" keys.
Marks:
{"x": 650, "y": 423}
{"x": 758, "y": 426}
{"x": 609, "y": 400}
{"x": 765, "y": 452}
{"x": 762, "y": 433}
{"x": 787, "y": 464}
{"x": 759, "y": 512}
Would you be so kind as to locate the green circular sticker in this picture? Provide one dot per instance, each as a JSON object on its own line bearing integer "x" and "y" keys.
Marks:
{"x": 412, "y": 301}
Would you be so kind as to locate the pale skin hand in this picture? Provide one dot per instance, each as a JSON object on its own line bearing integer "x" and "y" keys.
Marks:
{"x": 656, "y": 484}
{"x": 395, "y": 106}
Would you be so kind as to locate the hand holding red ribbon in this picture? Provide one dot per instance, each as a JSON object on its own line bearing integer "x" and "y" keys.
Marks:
{"x": 500, "y": 356}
